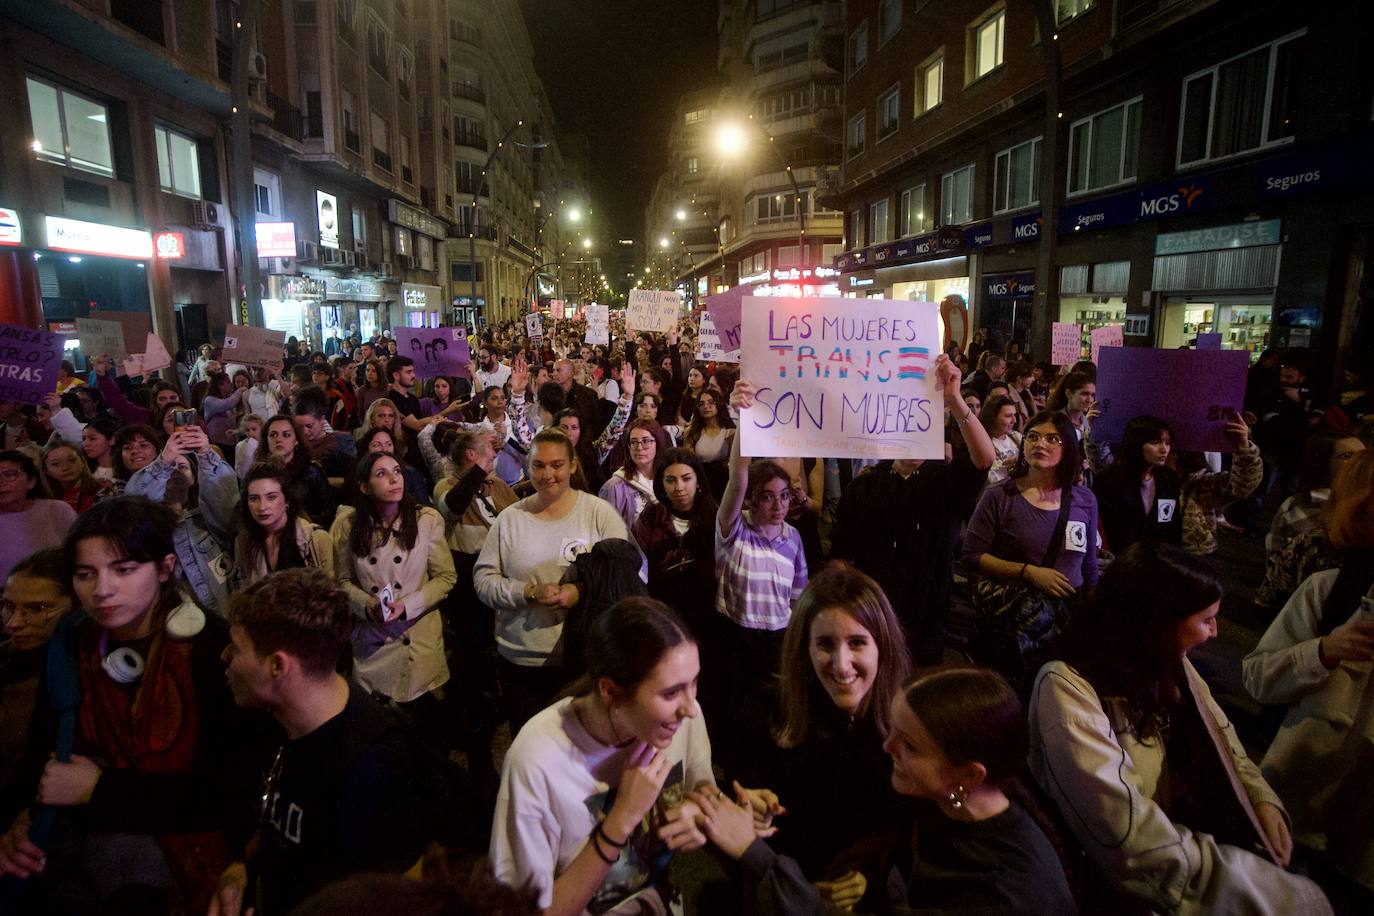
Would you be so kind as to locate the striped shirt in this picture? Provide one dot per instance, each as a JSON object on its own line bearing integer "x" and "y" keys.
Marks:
{"x": 760, "y": 578}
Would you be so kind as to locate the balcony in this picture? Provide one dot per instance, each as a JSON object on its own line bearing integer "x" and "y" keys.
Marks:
{"x": 470, "y": 186}
{"x": 480, "y": 230}
{"x": 458, "y": 31}
{"x": 471, "y": 139}
{"x": 471, "y": 92}
{"x": 286, "y": 118}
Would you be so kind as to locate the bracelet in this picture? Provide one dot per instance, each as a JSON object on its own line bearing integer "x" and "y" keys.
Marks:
{"x": 596, "y": 845}
{"x": 968, "y": 416}
{"x": 601, "y": 829}
{"x": 1022, "y": 573}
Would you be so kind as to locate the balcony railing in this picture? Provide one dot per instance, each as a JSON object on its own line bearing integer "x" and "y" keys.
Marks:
{"x": 286, "y": 118}
{"x": 480, "y": 230}
{"x": 458, "y": 31}
{"x": 470, "y": 91}
{"x": 471, "y": 139}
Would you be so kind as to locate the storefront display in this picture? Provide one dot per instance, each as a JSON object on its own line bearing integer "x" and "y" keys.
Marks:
{"x": 930, "y": 290}
{"x": 1244, "y": 323}
{"x": 1091, "y": 313}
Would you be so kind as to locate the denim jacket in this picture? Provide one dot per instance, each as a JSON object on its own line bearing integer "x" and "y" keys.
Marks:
{"x": 204, "y": 538}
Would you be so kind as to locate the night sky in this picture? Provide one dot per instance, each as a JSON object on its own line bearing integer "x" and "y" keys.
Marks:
{"x": 613, "y": 70}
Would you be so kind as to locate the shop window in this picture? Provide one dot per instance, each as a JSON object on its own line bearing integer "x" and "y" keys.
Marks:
{"x": 1243, "y": 104}
{"x": 930, "y": 83}
{"x": 985, "y": 39}
{"x": 956, "y": 196}
{"x": 267, "y": 194}
{"x": 178, "y": 162}
{"x": 857, "y": 130}
{"x": 889, "y": 20}
{"x": 858, "y": 48}
{"x": 70, "y": 129}
{"x": 877, "y": 222}
{"x": 1017, "y": 177}
{"x": 913, "y": 211}
{"x": 1104, "y": 148}
{"x": 1069, "y": 10}
{"x": 889, "y": 108}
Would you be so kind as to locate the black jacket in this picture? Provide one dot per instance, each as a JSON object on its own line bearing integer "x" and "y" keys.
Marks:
{"x": 1122, "y": 515}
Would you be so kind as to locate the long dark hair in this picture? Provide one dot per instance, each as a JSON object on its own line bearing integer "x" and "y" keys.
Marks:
{"x": 840, "y": 586}
{"x": 122, "y": 438}
{"x": 366, "y": 521}
{"x": 974, "y": 716}
{"x": 1140, "y": 431}
{"x": 1124, "y": 640}
{"x": 1072, "y": 381}
{"x": 696, "y": 427}
{"x": 661, "y": 445}
{"x": 107, "y": 427}
{"x": 704, "y": 505}
{"x": 271, "y": 468}
{"x": 136, "y": 528}
{"x": 28, "y": 468}
{"x": 299, "y": 465}
{"x": 1069, "y": 458}
{"x": 627, "y": 642}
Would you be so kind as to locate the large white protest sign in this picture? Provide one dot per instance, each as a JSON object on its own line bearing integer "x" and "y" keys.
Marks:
{"x": 534, "y": 326}
{"x": 598, "y": 324}
{"x": 100, "y": 337}
{"x": 652, "y": 310}
{"x": 709, "y": 347}
{"x": 841, "y": 378}
{"x": 253, "y": 346}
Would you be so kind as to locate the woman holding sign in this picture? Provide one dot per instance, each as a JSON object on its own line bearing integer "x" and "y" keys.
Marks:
{"x": 1033, "y": 542}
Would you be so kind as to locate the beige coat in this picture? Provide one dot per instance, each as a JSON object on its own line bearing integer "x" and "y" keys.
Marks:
{"x": 405, "y": 658}
{"x": 314, "y": 543}
{"x": 1322, "y": 759}
{"x": 1105, "y": 780}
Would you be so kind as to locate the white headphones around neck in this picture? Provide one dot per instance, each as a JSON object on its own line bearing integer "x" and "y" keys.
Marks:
{"x": 125, "y": 665}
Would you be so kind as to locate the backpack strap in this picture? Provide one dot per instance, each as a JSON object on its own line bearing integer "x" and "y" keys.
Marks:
{"x": 1061, "y": 524}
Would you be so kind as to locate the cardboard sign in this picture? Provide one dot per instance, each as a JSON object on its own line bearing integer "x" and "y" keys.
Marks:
{"x": 1110, "y": 336}
{"x": 598, "y": 324}
{"x": 1208, "y": 342}
{"x": 841, "y": 378}
{"x": 137, "y": 325}
{"x": 534, "y": 326}
{"x": 256, "y": 347}
{"x": 100, "y": 337}
{"x": 1066, "y": 344}
{"x": 652, "y": 310}
{"x": 29, "y": 359}
{"x": 708, "y": 343}
{"x": 725, "y": 314}
{"x": 436, "y": 351}
{"x": 153, "y": 358}
{"x": 1196, "y": 391}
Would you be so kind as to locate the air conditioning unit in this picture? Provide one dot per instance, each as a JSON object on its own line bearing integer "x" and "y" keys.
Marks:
{"x": 282, "y": 266}
{"x": 332, "y": 257}
{"x": 405, "y": 260}
{"x": 204, "y": 215}
{"x": 346, "y": 258}
{"x": 257, "y": 65}
{"x": 307, "y": 251}
{"x": 360, "y": 249}
{"x": 385, "y": 269}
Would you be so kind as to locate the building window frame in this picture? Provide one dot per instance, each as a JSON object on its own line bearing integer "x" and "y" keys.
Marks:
{"x": 378, "y": 45}
{"x": 856, "y": 48}
{"x": 889, "y": 112}
{"x": 167, "y": 139}
{"x": 267, "y": 185}
{"x": 912, "y": 200}
{"x": 381, "y": 141}
{"x": 879, "y": 224}
{"x": 346, "y": 20}
{"x": 1066, "y": 11}
{"x": 948, "y": 195}
{"x": 858, "y": 125}
{"x": 1002, "y": 175}
{"x": 348, "y": 105}
{"x": 856, "y": 229}
{"x": 995, "y": 17}
{"x": 889, "y": 20}
{"x": 1214, "y": 73}
{"x": 934, "y": 64}
{"x": 64, "y": 156}
{"x": 405, "y": 71}
{"x": 1128, "y": 158}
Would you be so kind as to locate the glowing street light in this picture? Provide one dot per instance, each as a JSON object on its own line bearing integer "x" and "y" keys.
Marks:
{"x": 587, "y": 243}
{"x": 730, "y": 139}
{"x": 663, "y": 242}
{"x": 574, "y": 215}
{"x": 681, "y": 214}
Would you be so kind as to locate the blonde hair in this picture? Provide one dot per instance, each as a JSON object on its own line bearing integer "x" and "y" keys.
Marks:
{"x": 86, "y": 482}
{"x": 398, "y": 432}
{"x": 1352, "y": 499}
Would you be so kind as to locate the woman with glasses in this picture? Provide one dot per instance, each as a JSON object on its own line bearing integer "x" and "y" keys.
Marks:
{"x": 37, "y": 595}
{"x": 631, "y": 487}
{"x": 30, "y": 521}
{"x": 391, "y": 556}
{"x": 1032, "y": 542}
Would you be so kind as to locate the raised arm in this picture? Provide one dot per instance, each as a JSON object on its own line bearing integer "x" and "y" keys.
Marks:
{"x": 732, "y": 500}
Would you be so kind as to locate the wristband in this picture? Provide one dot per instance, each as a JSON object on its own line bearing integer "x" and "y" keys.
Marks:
{"x": 601, "y": 830}
{"x": 596, "y": 845}
{"x": 968, "y": 416}
{"x": 1022, "y": 573}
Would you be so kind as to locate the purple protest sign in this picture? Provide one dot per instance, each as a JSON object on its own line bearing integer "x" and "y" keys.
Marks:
{"x": 1195, "y": 391}
{"x": 28, "y": 363}
{"x": 725, "y": 315}
{"x": 436, "y": 351}
{"x": 1208, "y": 342}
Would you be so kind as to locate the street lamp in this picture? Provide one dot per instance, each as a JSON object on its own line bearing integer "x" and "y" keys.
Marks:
{"x": 731, "y": 142}
{"x": 587, "y": 244}
{"x": 472, "y": 226}
{"x": 574, "y": 215}
{"x": 663, "y": 242}
{"x": 681, "y": 214}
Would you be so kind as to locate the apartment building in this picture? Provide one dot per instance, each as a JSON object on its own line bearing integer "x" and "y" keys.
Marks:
{"x": 1204, "y": 176}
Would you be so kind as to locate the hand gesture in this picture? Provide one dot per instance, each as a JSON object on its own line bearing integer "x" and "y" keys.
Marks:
{"x": 742, "y": 397}
{"x": 845, "y": 891}
{"x": 1239, "y": 431}
{"x": 765, "y": 806}
{"x": 68, "y": 783}
{"x": 627, "y": 380}
{"x": 193, "y": 439}
{"x": 1352, "y": 641}
{"x": 19, "y": 856}
{"x": 519, "y": 374}
{"x": 640, "y": 784}
{"x": 681, "y": 830}
{"x": 1050, "y": 581}
{"x": 174, "y": 448}
{"x": 728, "y": 825}
{"x": 947, "y": 379}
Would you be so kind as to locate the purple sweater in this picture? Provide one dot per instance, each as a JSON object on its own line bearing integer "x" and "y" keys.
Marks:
{"x": 1010, "y": 528}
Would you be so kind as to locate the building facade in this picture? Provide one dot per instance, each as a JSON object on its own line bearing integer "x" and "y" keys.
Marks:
{"x": 1198, "y": 168}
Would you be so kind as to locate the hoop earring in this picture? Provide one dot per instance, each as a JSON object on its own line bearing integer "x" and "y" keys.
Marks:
{"x": 956, "y": 798}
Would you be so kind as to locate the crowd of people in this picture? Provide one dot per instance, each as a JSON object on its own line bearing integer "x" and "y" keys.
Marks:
{"x": 266, "y": 632}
